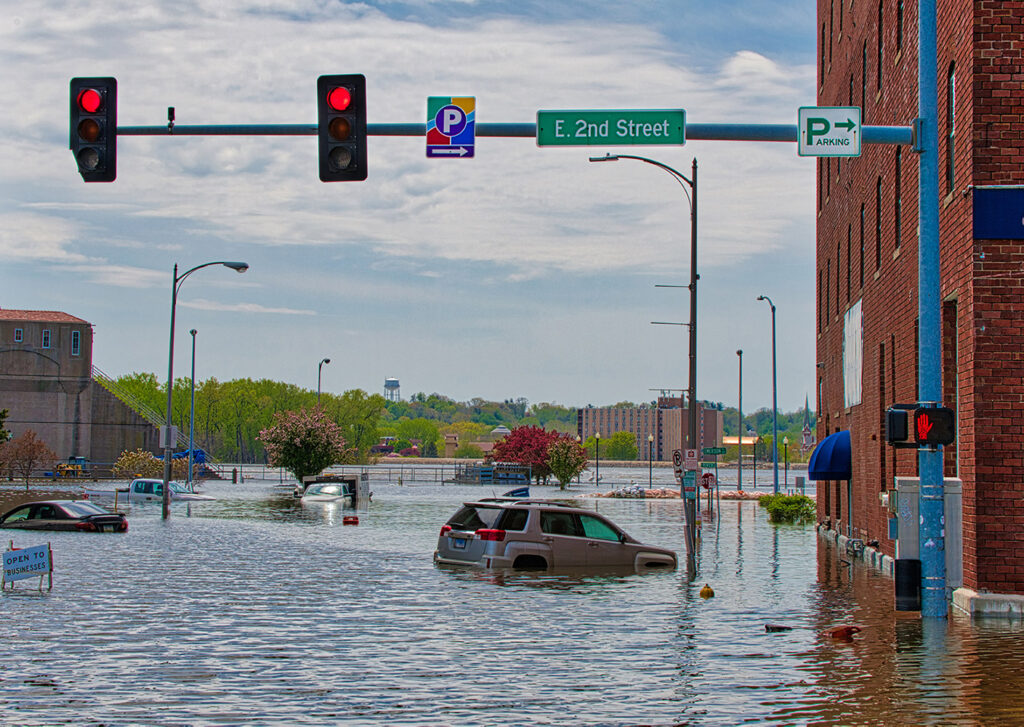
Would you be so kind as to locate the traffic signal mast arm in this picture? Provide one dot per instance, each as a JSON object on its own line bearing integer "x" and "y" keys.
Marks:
{"x": 699, "y": 132}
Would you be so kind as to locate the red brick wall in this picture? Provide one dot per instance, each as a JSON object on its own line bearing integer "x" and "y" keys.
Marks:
{"x": 983, "y": 339}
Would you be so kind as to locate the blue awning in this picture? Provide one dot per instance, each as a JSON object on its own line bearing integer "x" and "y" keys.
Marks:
{"x": 831, "y": 458}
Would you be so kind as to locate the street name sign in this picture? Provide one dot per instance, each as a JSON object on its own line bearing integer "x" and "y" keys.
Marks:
{"x": 651, "y": 127}
{"x": 828, "y": 131}
{"x": 451, "y": 126}
{"x": 710, "y": 451}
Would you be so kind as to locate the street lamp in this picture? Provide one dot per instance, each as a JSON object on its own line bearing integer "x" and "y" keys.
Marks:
{"x": 318, "y": 369}
{"x": 691, "y": 197}
{"x": 192, "y": 407}
{"x": 775, "y": 404}
{"x": 650, "y": 464}
{"x": 597, "y": 456}
{"x": 739, "y": 428}
{"x": 785, "y": 448}
{"x": 168, "y": 433}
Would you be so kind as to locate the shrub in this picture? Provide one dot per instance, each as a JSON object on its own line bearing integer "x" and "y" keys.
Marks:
{"x": 788, "y": 508}
{"x": 141, "y": 463}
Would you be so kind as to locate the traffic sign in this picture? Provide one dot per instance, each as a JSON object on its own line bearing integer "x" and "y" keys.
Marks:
{"x": 828, "y": 131}
{"x": 690, "y": 485}
{"x": 677, "y": 464}
{"x": 709, "y": 465}
{"x": 613, "y": 127}
{"x": 713, "y": 451}
{"x": 707, "y": 480}
{"x": 451, "y": 126}
{"x": 690, "y": 458}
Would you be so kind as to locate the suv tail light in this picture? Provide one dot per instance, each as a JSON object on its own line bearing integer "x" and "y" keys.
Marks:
{"x": 491, "y": 534}
{"x": 85, "y": 525}
{"x": 445, "y": 529}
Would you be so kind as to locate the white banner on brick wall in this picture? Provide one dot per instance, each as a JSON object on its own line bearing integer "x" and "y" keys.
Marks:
{"x": 853, "y": 354}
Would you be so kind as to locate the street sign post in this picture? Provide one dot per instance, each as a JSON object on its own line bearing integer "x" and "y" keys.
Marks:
{"x": 828, "y": 131}
{"x": 451, "y": 126}
{"x": 614, "y": 127}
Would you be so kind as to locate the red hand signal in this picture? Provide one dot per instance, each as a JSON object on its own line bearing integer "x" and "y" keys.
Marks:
{"x": 924, "y": 425}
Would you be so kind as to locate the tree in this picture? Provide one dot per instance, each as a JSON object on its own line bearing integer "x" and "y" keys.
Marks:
{"x": 141, "y": 463}
{"x": 304, "y": 442}
{"x": 4, "y": 433}
{"x": 469, "y": 451}
{"x": 529, "y": 446}
{"x": 621, "y": 446}
{"x": 566, "y": 459}
{"x": 26, "y": 453}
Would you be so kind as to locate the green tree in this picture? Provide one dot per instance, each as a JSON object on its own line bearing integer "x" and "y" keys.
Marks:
{"x": 4, "y": 433}
{"x": 469, "y": 451}
{"x": 304, "y": 442}
{"x": 566, "y": 459}
{"x": 621, "y": 446}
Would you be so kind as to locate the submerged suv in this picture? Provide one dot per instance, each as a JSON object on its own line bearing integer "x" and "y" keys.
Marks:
{"x": 512, "y": 533}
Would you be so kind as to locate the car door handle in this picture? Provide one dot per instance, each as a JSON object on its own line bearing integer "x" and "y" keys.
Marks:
{"x": 548, "y": 539}
{"x": 592, "y": 544}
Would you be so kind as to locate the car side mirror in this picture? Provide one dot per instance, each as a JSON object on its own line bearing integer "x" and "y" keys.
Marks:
{"x": 622, "y": 538}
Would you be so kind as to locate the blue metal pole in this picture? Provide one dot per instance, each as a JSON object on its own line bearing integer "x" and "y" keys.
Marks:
{"x": 929, "y": 382}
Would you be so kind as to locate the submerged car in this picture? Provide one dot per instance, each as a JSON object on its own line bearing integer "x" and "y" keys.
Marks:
{"x": 338, "y": 492}
{"x": 541, "y": 534}
{"x": 147, "y": 489}
{"x": 64, "y": 515}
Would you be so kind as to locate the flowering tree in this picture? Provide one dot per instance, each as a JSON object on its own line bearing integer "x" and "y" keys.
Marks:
{"x": 566, "y": 459}
{"x": 141, "y": 463}
{"x": 529, "y": 446}
{"x": 304, "y": 442}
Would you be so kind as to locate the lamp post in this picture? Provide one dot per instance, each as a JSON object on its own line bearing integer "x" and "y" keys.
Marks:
{"x": 739, "y": 428}
{"x": 192, "y": 408}
{"x": 650, "y": 463}
{"x": 775, "y": 404}
{"x": 319, "y": 368}
{"x": 597, "y": 457}
{"x": 785, "y": 449}
{"x": 691, "y": 197}
{"x": 168, "y": 434}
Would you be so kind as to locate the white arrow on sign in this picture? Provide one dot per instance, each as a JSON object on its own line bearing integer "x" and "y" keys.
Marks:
{"x": 461, "y": 151}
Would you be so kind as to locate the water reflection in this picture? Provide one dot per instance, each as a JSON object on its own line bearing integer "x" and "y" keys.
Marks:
{"x": 258, "y": 609}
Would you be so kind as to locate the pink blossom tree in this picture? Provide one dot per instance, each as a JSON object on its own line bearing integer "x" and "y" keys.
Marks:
{"x": 304, "y": 442}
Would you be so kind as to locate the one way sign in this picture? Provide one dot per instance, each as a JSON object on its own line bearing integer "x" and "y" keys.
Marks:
{"x": 829, "y": 131}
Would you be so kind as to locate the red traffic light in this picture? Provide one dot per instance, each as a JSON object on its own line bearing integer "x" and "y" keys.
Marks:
{"x": 90, "y": 100}
{"x": 934, "y": 425}
{"x": 339, "y": 98}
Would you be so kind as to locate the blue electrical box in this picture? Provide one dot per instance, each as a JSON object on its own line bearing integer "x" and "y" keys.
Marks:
{"x": 999, "y": 213}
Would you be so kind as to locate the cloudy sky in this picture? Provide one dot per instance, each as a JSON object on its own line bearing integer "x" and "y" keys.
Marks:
{"x": 525, "y": 271}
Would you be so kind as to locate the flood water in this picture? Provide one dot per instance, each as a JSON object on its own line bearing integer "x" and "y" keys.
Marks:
{"x": 255, "y": 609}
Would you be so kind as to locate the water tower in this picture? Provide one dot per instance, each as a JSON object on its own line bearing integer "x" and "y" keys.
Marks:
{"x": 391, "y": 390}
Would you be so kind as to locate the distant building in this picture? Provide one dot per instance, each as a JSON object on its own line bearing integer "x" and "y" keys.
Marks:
{"x": 47, "y": 385}
{"x": 660, "y": 429}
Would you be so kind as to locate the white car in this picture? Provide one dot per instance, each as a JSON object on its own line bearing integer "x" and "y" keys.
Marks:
{"x": 146, "y": 489}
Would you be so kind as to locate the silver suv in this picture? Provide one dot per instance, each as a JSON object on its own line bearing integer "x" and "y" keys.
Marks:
{"x": 513, "y": 533}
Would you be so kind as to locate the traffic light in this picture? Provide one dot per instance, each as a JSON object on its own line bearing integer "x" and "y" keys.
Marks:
{"x": 931, "y": 425}
{"x": 935, "y": 425}
{"x": 94, "y": 127}
{"x": 341, "y": 127}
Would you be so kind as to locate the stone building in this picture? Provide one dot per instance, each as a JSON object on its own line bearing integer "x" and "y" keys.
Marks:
{"x": 867, "y": 269}
{"x": 47, "y": 385}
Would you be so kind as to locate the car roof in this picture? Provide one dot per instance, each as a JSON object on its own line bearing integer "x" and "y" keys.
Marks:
{"x": 54, "y": 502}
{"x": 509, "y": 501}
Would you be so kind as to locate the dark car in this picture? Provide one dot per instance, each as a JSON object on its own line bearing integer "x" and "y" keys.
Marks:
{"x": 64, "y": 515}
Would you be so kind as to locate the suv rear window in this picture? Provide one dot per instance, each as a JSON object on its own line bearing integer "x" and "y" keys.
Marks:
{"x": 474, "y": 517}
{"x": 514, "y": 519}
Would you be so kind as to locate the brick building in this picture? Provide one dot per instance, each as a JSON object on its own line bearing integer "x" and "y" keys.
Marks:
{"x": 47, "y": 385}
{"x": 867, "y": 268}
{"x": 667, "y": 423}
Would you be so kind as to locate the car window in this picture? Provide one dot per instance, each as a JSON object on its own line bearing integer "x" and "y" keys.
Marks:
{"x": 44, "y": 512}
{"x": 19, "y": 515}
{"x": 474, "y": 517}
{"x": 598, "y": 529}
{"x": 514, "y": 519}
{"x": 80, "y": 509}
{"x": 559, "y": 523}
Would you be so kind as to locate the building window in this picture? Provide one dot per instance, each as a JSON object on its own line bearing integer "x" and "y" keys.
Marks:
{"x": 46, "y": 338}
{"x": 899, "y": 26}
{"x": 822, "y": 73}
{"x": 828, "y": 290}
{"x": 76, "y": 343}
{"x": 19, "y": 335}
{"x": 950, "y": 124}
{"x": 839, "y": 267}
{"x": 881, "y": 46}
{"x": 862, "y": 246}
{"x": 831, "y": 24}
{"x": 828, "y": 177}
{"x": 849, "y": 260}
{"x": 898, "y": 203}
{"x": 820, "y": 290}
{"x": 878, "y": 223}
{"x": 864, "y": 82}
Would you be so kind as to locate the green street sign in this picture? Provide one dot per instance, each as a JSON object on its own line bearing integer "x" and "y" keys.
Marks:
{"x": 611, "y": 128}
{"x": 713, "y": 450}
{"x": 709, "y": 465}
